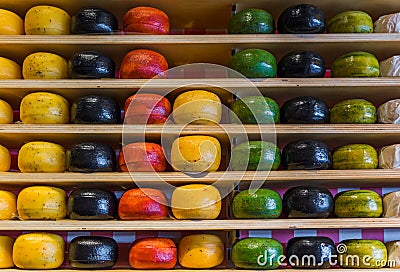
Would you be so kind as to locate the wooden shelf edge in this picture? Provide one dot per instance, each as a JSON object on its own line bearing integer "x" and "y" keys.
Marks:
{"x": 199, "y": 225}
{"x": 217, "y": 270}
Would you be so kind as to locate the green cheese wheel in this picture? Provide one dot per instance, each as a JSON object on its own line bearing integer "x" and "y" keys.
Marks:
{"x": 369, "y": 253}
{"x": 353, "y": 111}
{"x": 255, "y": 110}
{"x": 261, "y": 203}
{"x": 251, "y": 21}
{"x": 358, "y": 203}
{"x": 255, "y": 155}
{"x": 353, "y": 21}
{"x": 355, "y": 64}
{"x": 257, "y": 253}
{"x": 254, "y": 63}
{"x": 355, "y": 156}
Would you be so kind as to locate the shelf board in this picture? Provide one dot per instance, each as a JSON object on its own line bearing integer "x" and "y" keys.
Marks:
{"x": 273, "y": 179}
{"x": 378, "y": 135}
{"x": 216, "y": 270}
{"x": 197, "y": 225}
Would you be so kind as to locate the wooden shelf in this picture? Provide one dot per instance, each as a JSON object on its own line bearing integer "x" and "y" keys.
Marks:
{"x": 198, "y": 225}
{"x": 184, "y": 49}
{"x": 274, "y": 179}
{"x": 219, "y": 270}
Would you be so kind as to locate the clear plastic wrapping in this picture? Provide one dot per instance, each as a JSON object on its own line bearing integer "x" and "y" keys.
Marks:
{"x": 389, "y": 23}
{"x": 389, "y": 157}
{"x": 393, "y": 251}
{"x": 390, "y": 67}
{"x": 391, "y": 204}
{"x": 389, "y": 112}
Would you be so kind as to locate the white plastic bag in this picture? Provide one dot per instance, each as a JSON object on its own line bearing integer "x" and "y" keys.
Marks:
{"x": 390, "y": 67}
{"x": 389, "y": 23}
{"x": 389, "y": 112}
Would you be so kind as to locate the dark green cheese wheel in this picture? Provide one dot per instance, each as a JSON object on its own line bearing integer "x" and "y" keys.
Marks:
{"x": 92, "y": 252}
{"x": 257, "y": 253}
{"x": 251, "y": 21}
{"x": 308, "y": 202}
{"x": 353, "y": 21}
{"x": 355, "y": 64}
{"x": 355, "y": 156}
{"x": 255, "y": 110}
{"x": 92, "y": 204}
{"x": 358, "y": 203}
{"x": 261, "y": 203}
{"x": 353, "y": 111}
{"x": 91, "y": 157}
{"x": 255, "y": 155}
{"x": 373, "y": 252}
{"x": 95, "y": 109}
{"x": 310, "y": 252}
{"x": 254, "y": 63}
{"x": 306, "y": 155}
{"x": 301, "y": 19}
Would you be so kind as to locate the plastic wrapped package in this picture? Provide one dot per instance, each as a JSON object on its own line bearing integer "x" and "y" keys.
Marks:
{"x": 393, "y": 249}
{"x": 389, "y": 23}
{"x": 391, "y": 205}
{"x": 390, "y": 67}
{"x": 389, "y": 112}
{"x": 389, "y": 157}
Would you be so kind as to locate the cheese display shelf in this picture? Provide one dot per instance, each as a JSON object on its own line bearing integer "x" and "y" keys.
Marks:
{"x": 220, "y": 270}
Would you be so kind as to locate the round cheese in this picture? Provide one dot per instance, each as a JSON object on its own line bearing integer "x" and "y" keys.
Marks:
{"x": 391, "y": 204}
{"x": 389, "y": 112}
{"x": 9, "y": 69}
{"x": 389, "y": 157}
{"x": 47, "y": 20}
{"x": 10, "y": 23}
{"x": 390, "y": 67}
{"x": 6, "y": 248}
{"x": 8, "y": 205}
{"x": 5, "y": 159}
{"x": 43, "y": 65}
{"x": 389, "y": 23}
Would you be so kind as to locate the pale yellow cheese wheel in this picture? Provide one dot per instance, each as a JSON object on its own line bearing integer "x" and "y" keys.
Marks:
{"x": 42, "y": 203}
{"x": 5, "y": 159}
{"x": 41, "y": 157}
{"x": 38, "y": 251}
{"x": 44, "y": 108}
{"x": 47, "y": 20}
{"x": 9, "y": 69}
{"x": 200, "y": 251}
{"x": 43, "y": 65}
{"x": 196, "y": 201}
{"x": 197, "y": 107}
{"x": 6, "y": 113}
{"x": 8, "y": 205}
{"x": 6, "y": 248}
{"x": 10, "y": 23}
{"x": 196, "y": 154}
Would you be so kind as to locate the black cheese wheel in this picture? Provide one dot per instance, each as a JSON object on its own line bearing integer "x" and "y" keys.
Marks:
{"x": 91, "y": 65}
{"x": 93, "y": 21}
{"x": 301, "y": 19}
{"x": 95, "y": 109}
{"x": 92, "y": 252}
{"x": 92, "y": 204}
{"x": 301, "y": 64}
{"x": 304, "y": 110}
{"x": 91, "y": 157}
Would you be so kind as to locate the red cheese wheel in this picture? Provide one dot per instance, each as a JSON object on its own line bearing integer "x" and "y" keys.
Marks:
{"x": 143, "y": 63}
{"x": 146, "y": 20}
{"x": 142, "y": 157}
{"x": 147, "y": 109}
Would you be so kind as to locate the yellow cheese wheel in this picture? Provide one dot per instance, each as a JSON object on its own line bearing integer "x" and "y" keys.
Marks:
{"x": 6, "y": 248}
{"x": 9, "y": 69}
{"x": 38, "y": 251}
{"x": 6, "y": 113}
{"x": 8, "y": 205}
{"x": 197, "y": 107}
{"x": 10, "y": 23}
{"x": 44, "y": 108}
{"x": 42, "y": 202}
{"x": 201, "y": 251}
{"x": 196, "y": 201}
{"x": 47, "y": 20}
{"x": 196, "y": 154}
{"x": 43, "y": 65}
{"x": 41, "y": 157}
{"x": 5, "y": 159}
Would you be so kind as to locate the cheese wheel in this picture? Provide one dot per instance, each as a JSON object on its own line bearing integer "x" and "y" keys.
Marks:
{"x": 42, "y": 157}
{"x": 10, "y": 23}
{"x": 393, "y": 252}
{"x": 196, "y": 154}
{"x": 5, "y": 159}
{"x": 390, "y": 67}
{"x": 42, "y": 65}
{"x": 357, "y": 249}
{"x": 47, "y": 20}
{"x": 6, "y": 248}
{"x": 197, "y": 107}
{"x": 38, "y": 251}
{"x": 389, "y": 23}
{"x": 358, "y": 203}
{"x": 8, "y": 205}
{"x": 391, "y": 204}
{"x": 44, "y": 108}
{"x": 196, "y": 201}
{"x": 6, "y": 113}
{"x": 9, "y": 69}
{"x": 42, "y": 203}
{"x": 200, "y": 251}
{"x": 389, "y": 112}
{"x": 389, "y": 157}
